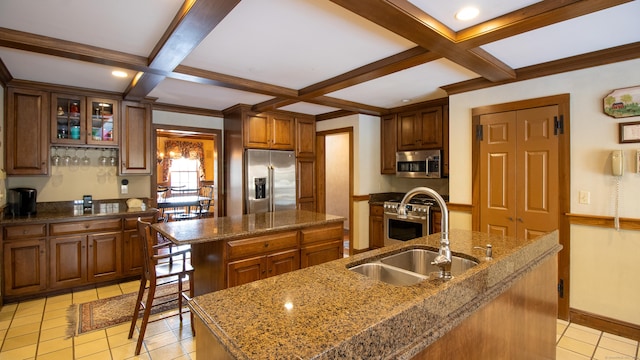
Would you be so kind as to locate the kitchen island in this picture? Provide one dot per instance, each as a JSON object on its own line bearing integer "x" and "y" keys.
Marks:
{"x": 234, "y": 250}
{"x": 505, "y": 307}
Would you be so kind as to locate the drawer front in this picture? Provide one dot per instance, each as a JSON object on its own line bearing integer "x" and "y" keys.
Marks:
{"x": 324, "y": 233}
{"x": 376, "y": 210}
{"x": 25, "y": 231}
{"x": 86, "y": 226}
{"x": 132, "y": 223}
{"x": 261, "y": 244}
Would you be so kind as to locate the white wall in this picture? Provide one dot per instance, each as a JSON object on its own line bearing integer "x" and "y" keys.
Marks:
{"x": 602, "y": 260}
{"x": 366, "y": 167}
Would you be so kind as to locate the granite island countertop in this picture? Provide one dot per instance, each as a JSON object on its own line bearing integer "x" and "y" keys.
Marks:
{"x": 327, "y": 311}
{"x": 241, "y": 226}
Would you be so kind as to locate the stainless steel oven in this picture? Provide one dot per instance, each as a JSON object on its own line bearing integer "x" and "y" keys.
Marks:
{"x": 416, "y": 224}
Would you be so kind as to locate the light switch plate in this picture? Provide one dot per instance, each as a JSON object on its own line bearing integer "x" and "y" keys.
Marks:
{"x": 584, "y": 197}
{"x": 124, "y": 189}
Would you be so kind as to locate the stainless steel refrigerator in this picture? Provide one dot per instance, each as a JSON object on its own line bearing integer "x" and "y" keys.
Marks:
{"x": 270, "y": 180}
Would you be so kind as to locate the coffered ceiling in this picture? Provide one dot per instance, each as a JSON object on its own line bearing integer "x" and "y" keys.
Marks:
{"x": 317, "y": 57}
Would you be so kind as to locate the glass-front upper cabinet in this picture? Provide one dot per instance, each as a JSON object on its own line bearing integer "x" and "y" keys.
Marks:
{"x": 79, "y": 120}
{"x": 68, "y": 112}
{"x": 102, "y": 121}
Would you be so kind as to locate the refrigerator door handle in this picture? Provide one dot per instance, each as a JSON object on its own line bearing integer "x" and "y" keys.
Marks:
{"x": 271, "y": 192}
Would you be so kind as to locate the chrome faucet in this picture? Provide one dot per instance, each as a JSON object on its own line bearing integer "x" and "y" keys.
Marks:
{"x": 443, "y": 260}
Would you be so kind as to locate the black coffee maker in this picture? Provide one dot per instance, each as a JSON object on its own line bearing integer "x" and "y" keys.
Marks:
{"x": 21, "y": 202}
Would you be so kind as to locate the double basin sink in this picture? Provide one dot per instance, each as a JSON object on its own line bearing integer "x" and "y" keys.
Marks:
{"x": 410, "y": 267}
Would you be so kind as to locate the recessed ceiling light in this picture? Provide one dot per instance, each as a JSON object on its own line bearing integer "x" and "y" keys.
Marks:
{"x": 406, "y": 100}
{"x": 118, "y": 73}
{"x": 467, "y": 13}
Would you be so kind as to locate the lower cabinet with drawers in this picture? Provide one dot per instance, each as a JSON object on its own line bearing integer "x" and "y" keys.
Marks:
{"x": 40, "y": 258}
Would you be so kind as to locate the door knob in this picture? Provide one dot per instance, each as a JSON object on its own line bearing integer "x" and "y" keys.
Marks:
{"x": 510, "y": 218}
{"x": 520, "y": 219}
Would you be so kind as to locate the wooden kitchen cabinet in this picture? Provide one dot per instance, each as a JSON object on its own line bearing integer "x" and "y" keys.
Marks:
{"x": 247, "y": 270}
{"x": 420, "y": 130}
{"x": 388, "y": 148}
{"x": 131, "y": 247}
{"x": 25, "y": 259}
{"x": 376, "y": 226}
{"x": 81, "y": 120}
{"x": 135, "y": 143}
{"x": 305, "y": 137}
{"x": 321, "y": 244}
{"x": 82, "y": 252}
{"x": 27, "y": 132}
{"x": 436, "y": 220}
{"x": 260, "y": 257}
{"x": 306, "y": 183}
{"x": 269, "y": 131}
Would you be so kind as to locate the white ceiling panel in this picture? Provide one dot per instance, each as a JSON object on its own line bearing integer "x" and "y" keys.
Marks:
{"x": 54, "y": 70}
{"x": 615, "y": 26}
{"x": 419, "y": 83}
{"x": 307, "y": 108}
{"x": 445, "y": 11}
{"x": 132, "y": 27}
{"x": 293, "y": 43}
{"x": 172, "y": 91}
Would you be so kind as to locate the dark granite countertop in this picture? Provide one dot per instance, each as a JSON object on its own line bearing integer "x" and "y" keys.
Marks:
{"x": 235, "y": 227}
{"x": 61, "y": 211}
{"x": 327, "y": 311}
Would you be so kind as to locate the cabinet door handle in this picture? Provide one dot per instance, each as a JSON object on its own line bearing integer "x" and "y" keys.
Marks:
{"x": 266, "y": 244}
{"x": 510, "y": 218}
{"x": 520, "y": 219}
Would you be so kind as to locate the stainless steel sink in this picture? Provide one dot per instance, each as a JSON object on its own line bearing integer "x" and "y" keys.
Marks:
{"x": 419, "y": 261}
{"x": 388, "y": 274}
{"x": 409, "y": 267}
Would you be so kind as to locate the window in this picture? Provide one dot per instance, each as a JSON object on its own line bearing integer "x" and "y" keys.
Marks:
{"x": 184, "y": 173}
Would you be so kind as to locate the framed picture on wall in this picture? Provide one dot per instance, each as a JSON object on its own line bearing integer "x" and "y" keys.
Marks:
{"x": 622, "y": 103}
{"x": 629, "y": 132}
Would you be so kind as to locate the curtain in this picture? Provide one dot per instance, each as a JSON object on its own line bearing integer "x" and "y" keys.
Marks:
{"x": 186, "y": 149}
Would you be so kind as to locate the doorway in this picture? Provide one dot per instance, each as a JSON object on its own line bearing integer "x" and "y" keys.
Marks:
{"x": 204, "y": 145}
{"x": 521, "y": 177}
{"x": 334, "y": 151}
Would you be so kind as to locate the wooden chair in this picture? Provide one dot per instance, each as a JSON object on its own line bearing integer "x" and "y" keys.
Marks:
{"x": 159, "y": 269}
{"x": 205, "y": 206}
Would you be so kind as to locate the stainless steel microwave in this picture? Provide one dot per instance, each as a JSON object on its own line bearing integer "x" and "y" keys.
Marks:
{"x": 421, "y": 164}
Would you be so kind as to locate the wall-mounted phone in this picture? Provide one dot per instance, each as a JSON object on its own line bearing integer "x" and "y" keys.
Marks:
{"x": 617, "y": 163}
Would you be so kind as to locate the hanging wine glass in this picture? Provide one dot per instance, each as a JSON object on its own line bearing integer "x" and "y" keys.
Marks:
{"x": 55, "y": 158}
{"x": 75, "y": 161}
{"x": 86, "y": 161}
{"x": 113, "y": 159}
{"x": 102, "y": 160}
{"x": 66, "y": 159}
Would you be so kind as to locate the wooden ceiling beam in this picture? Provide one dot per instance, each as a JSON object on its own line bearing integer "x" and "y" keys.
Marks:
{"x": 530, "y": 18}
{"x": 193, "y": 22}
{"x": 578, "y": 62}
{"x": 70, "y": 50}
{"x": 408, "y": 21}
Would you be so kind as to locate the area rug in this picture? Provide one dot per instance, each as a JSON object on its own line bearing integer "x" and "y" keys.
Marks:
{"x": 104, "y": 313}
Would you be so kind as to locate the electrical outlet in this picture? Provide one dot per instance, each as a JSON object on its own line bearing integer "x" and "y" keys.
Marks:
{"x": 584, "y": 197}
{"x": 124, "y": 189}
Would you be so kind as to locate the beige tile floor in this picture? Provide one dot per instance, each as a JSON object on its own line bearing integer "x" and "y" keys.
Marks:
{"x": 37, "y": 329}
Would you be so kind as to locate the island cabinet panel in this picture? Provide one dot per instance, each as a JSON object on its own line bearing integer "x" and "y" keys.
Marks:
{"x": 261, "y": 244}
{"x": 321, "y": 244}
{"x": 519, "y": 324}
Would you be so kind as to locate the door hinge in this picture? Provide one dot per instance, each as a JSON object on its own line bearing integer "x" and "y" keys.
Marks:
{"x": 561, "y": 288}
{"x": 558, "y": 125}
{"x": 479, "y": 132}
